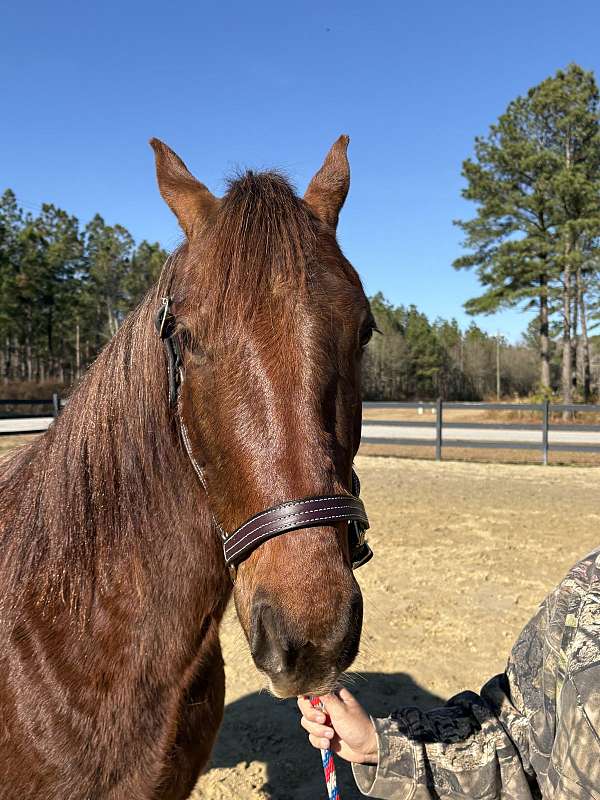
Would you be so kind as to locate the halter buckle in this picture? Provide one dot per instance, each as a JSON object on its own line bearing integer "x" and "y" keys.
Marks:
{"x": 164, "y": 320}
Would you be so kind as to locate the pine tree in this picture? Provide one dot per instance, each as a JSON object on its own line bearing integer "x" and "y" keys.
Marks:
{"x": 535, "y": 179}
{"x": 146, "y": 264}
{"x": 63, "y": 291}
{"x": 427, "y": 357}
{"x": 109, "y": 250}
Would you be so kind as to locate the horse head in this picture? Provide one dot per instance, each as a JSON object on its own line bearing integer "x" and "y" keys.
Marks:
{"x": 271, "y": 321}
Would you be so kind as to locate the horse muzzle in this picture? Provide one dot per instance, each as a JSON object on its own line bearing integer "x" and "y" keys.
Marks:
{"x": 295, "y": 663}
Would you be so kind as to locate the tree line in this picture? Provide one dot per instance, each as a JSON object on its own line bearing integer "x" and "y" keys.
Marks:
{"x": 64, "y": 289}
{"x": 412, "y": 357}
{"x": 535, "y": 239}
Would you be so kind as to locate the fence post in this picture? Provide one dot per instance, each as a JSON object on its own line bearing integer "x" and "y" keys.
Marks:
{"x": 545, "y": 429}
{"x": 438, "y": 430}
{"x": 56, "y": 404}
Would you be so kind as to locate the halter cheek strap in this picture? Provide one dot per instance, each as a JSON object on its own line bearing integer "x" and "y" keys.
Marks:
{"x": 165, "y": 324}
{"x": 289, "y": 516}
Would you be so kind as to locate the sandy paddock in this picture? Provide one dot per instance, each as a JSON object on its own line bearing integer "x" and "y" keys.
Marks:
{"x": 464, "y": 553}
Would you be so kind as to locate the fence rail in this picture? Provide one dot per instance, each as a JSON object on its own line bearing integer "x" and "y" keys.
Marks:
{"x": 26, "y": 402}
{"x": 439, "y": 441}
{"x": 39, "y": 421}
{"x": 442, "y": 430}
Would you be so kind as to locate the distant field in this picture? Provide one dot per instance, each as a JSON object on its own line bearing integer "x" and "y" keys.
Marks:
{"x": 531, "y": 457}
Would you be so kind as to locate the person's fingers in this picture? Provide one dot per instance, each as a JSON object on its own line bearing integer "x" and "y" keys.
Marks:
{"x": 333, "y": 704}
{"x": 314, "y": 714}
{"x": 335, "y": 745}
{"x": 340, "y": 702}
{"x": 320, "y": 744}
{"x": 304, "y": 704}
{"x": 321, "y": 731}
{"x": 347, "y": 698}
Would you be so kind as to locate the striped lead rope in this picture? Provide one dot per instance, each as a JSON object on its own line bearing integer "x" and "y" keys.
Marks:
{"x": 327, "y": 759}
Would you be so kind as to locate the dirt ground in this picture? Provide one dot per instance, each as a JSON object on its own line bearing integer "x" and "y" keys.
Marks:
{"x": 463, "y": 555}
{"x": 8, "y": 443}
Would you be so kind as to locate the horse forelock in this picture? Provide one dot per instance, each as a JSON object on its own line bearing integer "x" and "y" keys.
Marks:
{"x": 259, "y": 247}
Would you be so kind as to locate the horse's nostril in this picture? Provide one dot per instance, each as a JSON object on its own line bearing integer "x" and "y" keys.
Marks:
{"x": 271, "y": 648}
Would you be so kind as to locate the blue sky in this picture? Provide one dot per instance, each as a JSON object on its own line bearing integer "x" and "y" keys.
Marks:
{"x": 262, "y": 84}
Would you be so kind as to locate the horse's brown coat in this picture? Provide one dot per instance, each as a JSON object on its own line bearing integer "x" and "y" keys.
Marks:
{"x": 112, "y": 582}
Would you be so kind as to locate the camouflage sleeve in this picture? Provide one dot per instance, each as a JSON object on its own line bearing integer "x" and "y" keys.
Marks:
{"x": 532, "y": 732}
{"x": 462, "y": 750}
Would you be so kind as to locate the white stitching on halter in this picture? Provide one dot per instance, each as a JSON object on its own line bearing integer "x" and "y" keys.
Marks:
{"x": 268, "y": 534}
{"x": 295, "y": 514}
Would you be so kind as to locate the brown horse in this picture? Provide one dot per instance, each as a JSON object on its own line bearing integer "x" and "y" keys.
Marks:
{"x": 112, "y": 575}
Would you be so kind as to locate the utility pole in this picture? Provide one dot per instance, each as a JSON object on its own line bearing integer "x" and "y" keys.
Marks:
{"x": 77, "y": 352}
{"x": 498, "y": 366}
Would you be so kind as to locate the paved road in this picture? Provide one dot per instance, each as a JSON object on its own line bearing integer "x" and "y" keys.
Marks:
{"x": 469, "y": 433}
{"x": 21, "y": 425}
{"x": 382, "y": 430}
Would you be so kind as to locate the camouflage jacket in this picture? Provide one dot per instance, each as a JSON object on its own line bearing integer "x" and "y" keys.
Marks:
{"x": 532, "y": 732}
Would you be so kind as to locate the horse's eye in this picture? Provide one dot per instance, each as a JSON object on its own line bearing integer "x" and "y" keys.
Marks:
{"x": 366, "y": 336}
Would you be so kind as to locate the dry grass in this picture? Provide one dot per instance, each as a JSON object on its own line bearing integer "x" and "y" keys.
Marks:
{"x": 8, "y": 443}
{"x": 481, "y": 456}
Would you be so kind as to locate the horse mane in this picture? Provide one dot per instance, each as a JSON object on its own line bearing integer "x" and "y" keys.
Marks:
{"x": 110, "y": 473}
{"x": 92, "y": 490}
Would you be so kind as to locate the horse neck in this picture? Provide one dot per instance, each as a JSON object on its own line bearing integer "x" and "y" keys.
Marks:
{"x": 106, "y": 505}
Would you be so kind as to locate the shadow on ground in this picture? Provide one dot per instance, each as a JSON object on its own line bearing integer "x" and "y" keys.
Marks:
{"x": 258, "y": 727}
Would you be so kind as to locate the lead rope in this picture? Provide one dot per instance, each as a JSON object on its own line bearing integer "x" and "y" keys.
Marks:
{"x": 327, "y": 758}
{"x": 333, "y": 792}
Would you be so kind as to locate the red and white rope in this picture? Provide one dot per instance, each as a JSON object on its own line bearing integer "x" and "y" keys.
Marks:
{"x": 327, "y": 758}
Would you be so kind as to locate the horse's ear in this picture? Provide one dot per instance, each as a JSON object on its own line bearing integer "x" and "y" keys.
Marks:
{"x": 328, "y": 189}
{"x": 188, "y": 199}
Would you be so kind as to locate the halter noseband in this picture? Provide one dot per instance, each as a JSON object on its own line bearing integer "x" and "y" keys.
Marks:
{"x": 289, "y": 516}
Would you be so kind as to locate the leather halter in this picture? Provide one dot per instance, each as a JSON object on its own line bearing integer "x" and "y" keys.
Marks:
{"x": 289, "y": 516}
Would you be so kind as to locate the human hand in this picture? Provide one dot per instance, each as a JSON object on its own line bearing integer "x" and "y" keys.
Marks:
{"x": 347, "y": 729}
